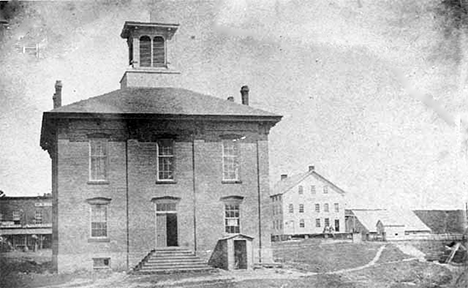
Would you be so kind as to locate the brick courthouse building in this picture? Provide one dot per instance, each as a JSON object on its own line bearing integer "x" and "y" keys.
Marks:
{"x": 145, "y": 167}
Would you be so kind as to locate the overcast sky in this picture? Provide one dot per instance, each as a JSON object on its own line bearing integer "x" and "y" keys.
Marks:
{"x": 346, "y": 75}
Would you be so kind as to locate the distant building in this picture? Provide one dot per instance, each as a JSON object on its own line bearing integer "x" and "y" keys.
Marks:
{"x": 386, "y": 224}
{"x": 26, "y": 222}
{"x": 148, "y": 169}
{"x": 443, "y": 221}
{"x": 306, "y": 204}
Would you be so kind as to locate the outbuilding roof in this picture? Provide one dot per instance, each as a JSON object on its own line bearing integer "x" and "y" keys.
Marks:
{"x": 393, "y": 217}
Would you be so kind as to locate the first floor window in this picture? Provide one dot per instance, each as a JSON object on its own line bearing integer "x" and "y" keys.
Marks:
{"x": 317, "y": 222}
{"x": 98, "y": 159}
{"x": 165, "y": 160}
{"x": 232, "y": 218}
{"x": 291, "y": 208}
{"x": 99, "y": 220}
{"x": 301, "y": 223}
{"x": 327, "y": 222}
{"x": 301, "y": 208}
{"x": 38, "y": 217}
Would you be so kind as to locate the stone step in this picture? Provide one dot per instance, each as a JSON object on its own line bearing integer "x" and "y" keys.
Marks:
{"x": 169, "y": 260}
{"x": 173, "y": 266}
{"x": 177, "y": 270}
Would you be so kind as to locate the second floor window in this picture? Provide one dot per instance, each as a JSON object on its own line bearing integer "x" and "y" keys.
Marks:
{"x": 337, "y": 207}
{"x": 317, "y": 207}
{"x": 291, "y": 208}
{"x": 98, "y": 160}
{"x": 165, "y": 160}
{"x": 16, "y": 217}
{"x": 230, "y": 160}
{"x": 301, "y": 208}
{"x": 38, "y": 217}
{"x": 325, "y": 207}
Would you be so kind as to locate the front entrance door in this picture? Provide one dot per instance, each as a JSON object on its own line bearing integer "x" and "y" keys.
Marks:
{"x": 240, "y": 254}
{"x": 166, "y": 229}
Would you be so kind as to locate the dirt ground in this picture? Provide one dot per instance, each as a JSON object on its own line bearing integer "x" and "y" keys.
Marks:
{"x": 309, "y": 263}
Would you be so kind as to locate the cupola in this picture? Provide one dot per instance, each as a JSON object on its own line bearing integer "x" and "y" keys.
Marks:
{"x": 148, "y": 54}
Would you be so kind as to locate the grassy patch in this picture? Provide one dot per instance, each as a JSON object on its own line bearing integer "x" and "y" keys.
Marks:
{"x": 316, "y": 256}
{"x": 156, "y": 278}
{"x": 404, "y": 274}
{"x": 391, "y": 253}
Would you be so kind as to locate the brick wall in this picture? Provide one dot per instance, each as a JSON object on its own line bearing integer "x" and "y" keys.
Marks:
{"x": 137, "y": 151}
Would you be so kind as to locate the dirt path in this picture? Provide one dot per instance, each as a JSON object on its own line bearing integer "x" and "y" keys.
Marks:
{"x": 121, "y": 280}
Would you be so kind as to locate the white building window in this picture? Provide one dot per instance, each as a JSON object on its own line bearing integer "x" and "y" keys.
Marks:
{"x": 317, "y": 207}
{"x": 325, "y": 189}
{"x": 337, "y": 225}
{"x": 165, "y": 155}
{"x": 312, "y": 189}
{"x": 230, "y": 160}
{"x": 98, "y": 159}
{"x": 317, "y": 222}
{"x": 326, "y": 208}
{"x": 301, "y": 223}
{"x": 301, "y": 208}
{"x": 337, "y": 207}
{"x": 291, "y": 208}
{"x": 327, "y": 222}
{"x": 301, "y": 189}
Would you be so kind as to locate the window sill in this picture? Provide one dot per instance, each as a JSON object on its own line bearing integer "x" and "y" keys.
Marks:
{"x": 98, "y": 182}
{"x": 166, "y": 182}
{"x": 231, "y": 182}
{"x": 94, "y": 240}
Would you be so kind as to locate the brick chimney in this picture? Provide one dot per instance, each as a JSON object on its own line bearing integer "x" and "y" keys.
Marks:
{"x": 311, "y": 168}
{"x": 245, "y": 95}
{"x": 284, "y": 176}
{"x": 57, "y": 98}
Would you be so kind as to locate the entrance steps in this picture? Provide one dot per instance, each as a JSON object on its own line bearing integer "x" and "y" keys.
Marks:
{"x": 171, "y": 260}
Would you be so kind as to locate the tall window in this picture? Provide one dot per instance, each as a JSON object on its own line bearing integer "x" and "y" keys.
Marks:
{"x": 98, "y": 159}
{"x": 325, "y": 189}
{"x": 38, "y": 217}
{"x": 301, "y": 208}
{"x": 232, "y": 217}
{"x": 291, "y": 208}
{"x": 317, "y": 222}
{"x": 159, "y": 57}
{"x": 325, "y": 207}
{"x": 165, "y": 160}
{"x": 98, "y": 220}
{"x": 145, "y": 51}
{"x": 337, "y": 207}
{"x": 312, "y": 189}
{"x": 301, "y": 189}
{"x": 301, "y": 223}
{"x": 317, "y": 207}
{"x": 327, "y": 222}
{"x": 230, "y": 160}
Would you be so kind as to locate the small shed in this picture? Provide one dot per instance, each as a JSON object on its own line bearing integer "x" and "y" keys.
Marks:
{"x": 233, "y": 252}
{"x": 390, "y": 230}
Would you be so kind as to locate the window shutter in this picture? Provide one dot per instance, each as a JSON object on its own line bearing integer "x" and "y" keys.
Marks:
{"x": 145, "y": 51}
{"x": 159, "y": 58}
